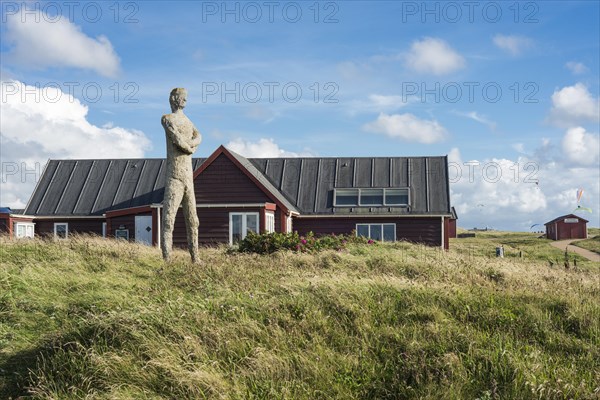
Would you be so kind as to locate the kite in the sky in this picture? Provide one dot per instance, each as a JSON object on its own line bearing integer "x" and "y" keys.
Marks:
{"x": 579, "y": 207}
{"x": 534, "y": 225}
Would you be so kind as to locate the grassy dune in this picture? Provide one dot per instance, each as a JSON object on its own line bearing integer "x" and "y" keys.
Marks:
{"x": 96, "y": 319}
{"x": 593, "y": 243}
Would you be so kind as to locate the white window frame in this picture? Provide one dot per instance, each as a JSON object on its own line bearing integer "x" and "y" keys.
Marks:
{"x": 369, "y": 224}
{"x": 25, "y": 226}
{"x": 288, "y": 227}
{"x": 359, "y": 196}
{"x": 345, "y": 205}
{"x": 66, "y": 224}
{"x": 244, "y": 224}
{"x": 399, "y": 204}
{"x": 269, "y": 222}
{"x": 104, "y": 229}
{"x": 117, "y": 231}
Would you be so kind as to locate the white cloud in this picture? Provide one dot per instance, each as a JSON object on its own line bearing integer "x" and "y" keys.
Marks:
{"x": 377, "y": 103}
{"x": 349, "y": 70}
{"x": 435, "y": 56}
{"x": 53, "y": 124}
{"x": 260, "y": 113}
{"x": 407, "y": 127}
{"x": 39, "y": 42}
{"x": 519, "y": 147}
{"x": 454, "y": 155}
{"x": 512, "y": 43}
{"x": 383, "y": 101}
{"x": 264, "y": 148}
{"x": 581, "y": 147}
{"x": 482, "y": 119}
{"x": 572, "y": 105}
{"x": 576, "y": 68}
{"x": 510, "y": 196}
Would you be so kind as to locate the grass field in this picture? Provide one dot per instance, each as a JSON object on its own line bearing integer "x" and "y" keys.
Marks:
{"x": 97, "y": 319}
{"x": 592, "y": 243}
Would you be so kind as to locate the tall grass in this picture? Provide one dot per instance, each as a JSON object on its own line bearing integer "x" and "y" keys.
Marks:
{"x": 592, "y": 244}
{"x": 90, "y": 318}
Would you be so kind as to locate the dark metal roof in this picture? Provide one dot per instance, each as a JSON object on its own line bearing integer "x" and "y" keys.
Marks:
{"x": 566, "y": 216}
{"x": 308, "y": 183}
{"x": 93, "y": 187}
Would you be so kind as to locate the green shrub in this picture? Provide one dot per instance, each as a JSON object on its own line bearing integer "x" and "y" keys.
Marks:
{"x": 268, "y": 243}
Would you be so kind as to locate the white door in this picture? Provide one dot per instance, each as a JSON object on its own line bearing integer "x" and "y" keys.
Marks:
{"x": 143, "y": 229}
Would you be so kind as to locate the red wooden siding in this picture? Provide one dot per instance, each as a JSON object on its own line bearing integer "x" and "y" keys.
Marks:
{"x": 4, "y": 224}
{"x": 126, "y": 217}
{"x": 7, "y": 222}
{"x": 446, "y": 233}
{"x": 223, "y": 182}
{"x": 213, "y": 227}
{"x": 426, "y": 230}
{"x": 452, "y": 228}
{"x": 561, "y": 230}
{"x": 128, "y": 222}
{"x": 45, "y": 227}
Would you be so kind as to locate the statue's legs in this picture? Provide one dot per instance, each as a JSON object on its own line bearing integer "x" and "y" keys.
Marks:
{"x": 191, "y": 219}
{"x": 173, "y": 195}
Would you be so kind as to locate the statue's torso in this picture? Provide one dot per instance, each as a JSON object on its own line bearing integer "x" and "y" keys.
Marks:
{"x": 177, "y": 160}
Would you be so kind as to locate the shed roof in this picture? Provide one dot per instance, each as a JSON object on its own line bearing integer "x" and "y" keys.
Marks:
{"x": 93, "y": 187}
{"x": 566, "y": 216}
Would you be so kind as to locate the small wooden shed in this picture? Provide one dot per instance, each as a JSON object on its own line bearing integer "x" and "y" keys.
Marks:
{"x": 566, "y": 227}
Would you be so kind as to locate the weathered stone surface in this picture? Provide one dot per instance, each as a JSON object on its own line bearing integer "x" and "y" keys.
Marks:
{"x": 182, "y": 141}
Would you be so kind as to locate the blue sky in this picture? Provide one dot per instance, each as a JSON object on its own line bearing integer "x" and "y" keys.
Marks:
{"x": 512, "y": 86}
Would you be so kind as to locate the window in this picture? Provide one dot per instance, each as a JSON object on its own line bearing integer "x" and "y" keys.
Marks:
{"x": 23, "y": 230}
{"x": 270, "y": 222}
{"x": 240, "y": 224}
{"x": 378, "y": 232}
{"x": 122, "y": 234}
{"x": 346, "y": 197}
{"x": 288, "y": 227}
{"x": 396, "y": 197}
{"x": 370, "y": 197}
{"x": 104, "y": 229}
{"x": 61, "y": 230}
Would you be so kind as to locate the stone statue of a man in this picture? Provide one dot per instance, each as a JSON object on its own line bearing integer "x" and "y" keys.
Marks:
{"x": 182, "y": 141}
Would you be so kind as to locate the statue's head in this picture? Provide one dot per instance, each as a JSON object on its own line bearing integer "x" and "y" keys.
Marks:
{"x": 178, "y": 98}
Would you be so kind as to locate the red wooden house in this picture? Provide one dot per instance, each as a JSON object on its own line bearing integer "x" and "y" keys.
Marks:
{"x": 13, "y": 223}
{"x": 567, "y": 227}
{"x": 384, "y": 198}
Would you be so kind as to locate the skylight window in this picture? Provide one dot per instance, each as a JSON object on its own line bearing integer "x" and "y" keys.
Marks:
{"x": 371, "y": 197}
{"x": 346, "y": 197}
